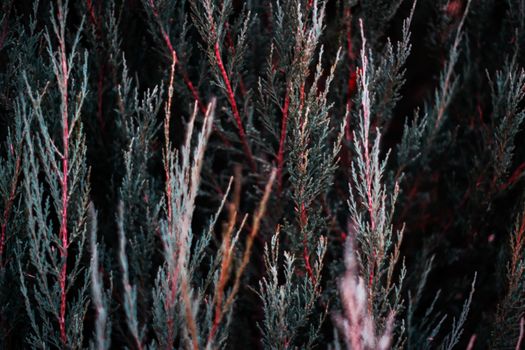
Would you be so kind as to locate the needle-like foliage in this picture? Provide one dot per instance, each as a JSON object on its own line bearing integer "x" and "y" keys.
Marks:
{"x": 300, "y": 174}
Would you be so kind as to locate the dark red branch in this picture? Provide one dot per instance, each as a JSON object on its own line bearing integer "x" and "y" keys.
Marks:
{"x": 64, "y": 182}
{"x": 310, "y": 4}
{"x": 167, "y": 40}
{"x": 91, "y": 11}
{"x": 194, "y": 93}
{"x": 520, "y": 170}
{"x": 303, "y": 221}
{"x": 235, "y": 110}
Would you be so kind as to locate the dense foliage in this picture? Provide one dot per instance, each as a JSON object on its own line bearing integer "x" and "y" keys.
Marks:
{"x": 266, "y": 173}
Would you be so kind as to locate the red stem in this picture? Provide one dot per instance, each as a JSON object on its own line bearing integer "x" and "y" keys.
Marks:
{"x": 303, "y": 220}
{"x": 170, "y": 300}
{"x": 193, "y": 90}
{"x": 235, "y": 110}
{"x": 194, "y": 93}
{"x": 310, "y": 4}
{"x": 92, "y": 16}
{"x": 514, "y": 177}
{"x": 366, "y": 121}
{"x": 172, "y": 52}
{"x": 202, "y": 108}
{"x": 65, "y": 157}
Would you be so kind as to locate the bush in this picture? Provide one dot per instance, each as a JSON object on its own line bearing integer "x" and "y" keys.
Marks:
{"x": 271, "y": 174}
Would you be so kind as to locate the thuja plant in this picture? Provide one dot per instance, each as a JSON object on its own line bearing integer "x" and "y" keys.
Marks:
{"x": 202, "y": 174}
{"x": 56, "y": 189}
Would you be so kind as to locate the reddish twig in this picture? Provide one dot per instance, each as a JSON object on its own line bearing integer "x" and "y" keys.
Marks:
{"x": 194, "y": 92}
{"x": 516, "y": 175}
{"x": 352, "y": 76}
{"x": 303, "y": 221}
{"x": 163, "y": 32}
{"x": 256, "y": 222}
{"x": 224, "y": 272}
{"x": 189, "y": 84}
{"x": 227, "y": 256}
{"x": 63, "y": 85}
{"x": 173, "y": 277}
{"x": 365, "y": 105}
{"x": 91, "y": 12}
{"x": 310, "y": 4}
{"x": 518, "y": 242}
{"x": 471, "y": 342}
{"x": 169, "y": 45}
{"x": 235, "y": 110}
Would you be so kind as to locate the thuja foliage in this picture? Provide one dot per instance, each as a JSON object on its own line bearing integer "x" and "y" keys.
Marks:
{"x": 275, "y": 174}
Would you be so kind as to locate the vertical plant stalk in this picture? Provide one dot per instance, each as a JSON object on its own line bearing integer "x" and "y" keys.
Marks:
{"x": 259, "y": 214}
{"x": 224, "y": 272}
{"x": 365, "y": 105}
{"x": 129, "y": 291}
{"x": 173, "y": 275}
{"x": 356, "y": 322}
{"x": 63, "y": 82}
{"x": 371, "y": 218}
{"x": 227, "y": 248}
{"x": 510, "y": 308}
{"x": 518, "y": 246}
{"x": 352, "y": 76}
{"x": 352, "y": 84}
{"x": 163, "y": 32}
{"x": 97, "y": 287}
{"x": 92, "y": 16}
{"x": 171, "y": 49}
{"x": 303, "y": 221}
{"x": 280, "y": 153}
{"x": 184, "y": 173}
{"x": 185, "y": 222}
{"x": 447, "y": 82}
{"x": 227, "y": 256}
{"x": 522, "y": 334}
{"x": 235, "y": 110}
{"x": 167, "y": 138}
{"x": 194, "y": 93}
